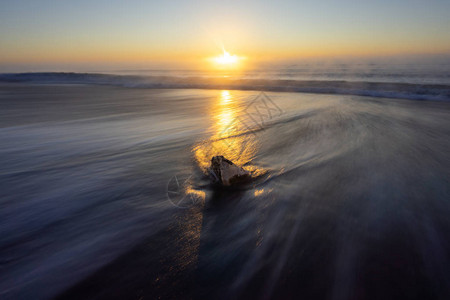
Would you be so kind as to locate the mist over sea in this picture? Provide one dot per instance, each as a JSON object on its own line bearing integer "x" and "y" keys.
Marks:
{"x": 105, "y": 193}
{"x": 435, "y": 71}
{"x": 423, "y": 80}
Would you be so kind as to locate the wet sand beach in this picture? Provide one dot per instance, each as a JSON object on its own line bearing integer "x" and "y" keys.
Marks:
{"x": 350, "y": 198}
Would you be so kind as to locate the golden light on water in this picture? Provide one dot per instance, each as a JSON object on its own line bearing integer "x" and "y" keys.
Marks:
{"x": 225, "y": 97}
{"x": 258, "y": 192}
{"x": 230, "y": 136}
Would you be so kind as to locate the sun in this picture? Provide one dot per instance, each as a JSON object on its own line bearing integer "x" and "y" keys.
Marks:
{"x": 227, "y": 61}
{"x": 226, "y": 58}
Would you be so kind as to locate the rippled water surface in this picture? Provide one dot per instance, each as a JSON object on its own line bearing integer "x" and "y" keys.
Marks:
{"x": 104, "y": 193}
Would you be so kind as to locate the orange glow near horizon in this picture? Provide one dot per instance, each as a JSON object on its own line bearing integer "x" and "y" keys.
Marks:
{"x": 227, "y": 62}
{"x": 200, "y": 57}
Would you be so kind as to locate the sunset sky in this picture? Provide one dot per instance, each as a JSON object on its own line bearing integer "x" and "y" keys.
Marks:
{"x": 100, "y": 33}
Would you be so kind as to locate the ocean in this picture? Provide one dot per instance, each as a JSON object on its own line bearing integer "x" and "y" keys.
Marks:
{"x": 425, "y": 81}
{"x": 105, "y": 189}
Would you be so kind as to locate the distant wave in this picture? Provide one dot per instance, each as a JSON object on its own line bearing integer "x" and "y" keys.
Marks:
{"x": 439, "y": 92}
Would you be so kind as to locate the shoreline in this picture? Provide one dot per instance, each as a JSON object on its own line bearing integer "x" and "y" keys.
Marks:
{"x": 428, "y": 92}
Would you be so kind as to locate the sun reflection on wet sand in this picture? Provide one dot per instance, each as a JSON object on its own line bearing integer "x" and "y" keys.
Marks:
{"x": 232, "y": 136}
{"x": 190, "y": 225}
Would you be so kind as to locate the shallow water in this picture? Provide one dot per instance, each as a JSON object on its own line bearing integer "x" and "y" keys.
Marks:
{"x": 350, "y": 197}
